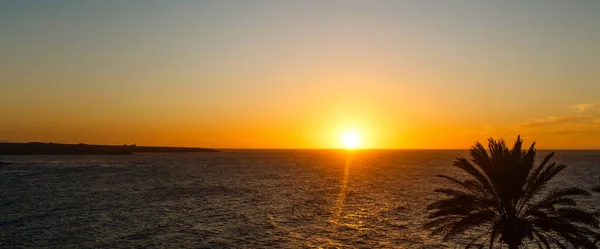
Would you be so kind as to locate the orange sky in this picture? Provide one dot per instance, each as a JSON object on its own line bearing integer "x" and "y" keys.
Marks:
{"x": 270, "y": 74}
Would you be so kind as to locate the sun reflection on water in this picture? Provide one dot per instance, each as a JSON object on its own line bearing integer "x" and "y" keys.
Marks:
{"x": 339, "y": 208}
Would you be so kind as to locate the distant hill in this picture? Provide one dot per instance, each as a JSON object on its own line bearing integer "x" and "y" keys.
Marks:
{"x": 37, "y": 148}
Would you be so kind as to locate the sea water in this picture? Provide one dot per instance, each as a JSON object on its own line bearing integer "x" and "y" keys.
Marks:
{"x": 237, "y": 198}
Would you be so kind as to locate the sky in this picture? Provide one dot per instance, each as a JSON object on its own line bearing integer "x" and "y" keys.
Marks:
{"x": 296, "y": 74}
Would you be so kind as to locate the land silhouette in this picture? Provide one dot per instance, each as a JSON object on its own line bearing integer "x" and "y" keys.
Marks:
{"x": 66, "y": 149}
{"x": 505, "y": 195}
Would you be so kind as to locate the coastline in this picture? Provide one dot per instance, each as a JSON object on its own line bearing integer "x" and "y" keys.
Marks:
{"x": 38, "y": 148}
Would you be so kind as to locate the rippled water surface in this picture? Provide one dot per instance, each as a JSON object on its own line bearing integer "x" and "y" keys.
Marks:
{"x": 235, "y": 199}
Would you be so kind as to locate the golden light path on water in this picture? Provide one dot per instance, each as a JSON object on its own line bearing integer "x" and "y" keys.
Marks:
{"x": 338, "y": 218}
{"x": 337, "y": 215}
{"x": 339, "y": 206}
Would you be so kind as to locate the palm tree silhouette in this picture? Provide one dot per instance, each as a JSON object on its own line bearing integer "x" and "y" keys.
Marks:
{"x": 505, "y": 195}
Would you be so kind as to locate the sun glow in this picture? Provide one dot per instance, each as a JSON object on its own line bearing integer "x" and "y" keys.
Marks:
{"x": 350, "y": 140}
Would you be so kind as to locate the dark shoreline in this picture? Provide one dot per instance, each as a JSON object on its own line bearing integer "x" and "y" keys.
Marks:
{"x": 36, "y": 148}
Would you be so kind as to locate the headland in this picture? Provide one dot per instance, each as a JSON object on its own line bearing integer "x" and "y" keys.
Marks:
{"x": 38, "y": 148}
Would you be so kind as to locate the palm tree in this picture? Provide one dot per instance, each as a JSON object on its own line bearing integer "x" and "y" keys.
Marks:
{"x": 505, "y": 195}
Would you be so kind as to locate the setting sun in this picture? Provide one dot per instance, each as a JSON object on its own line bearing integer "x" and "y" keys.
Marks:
{"x": 350, "y": 140}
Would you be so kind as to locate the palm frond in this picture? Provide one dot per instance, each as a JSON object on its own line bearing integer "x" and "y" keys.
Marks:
{"x": 478, "y": 175}
{"x": 471, "y": 220}
{"x": 538, "y": 180}
{"x": 542, "y": 238}
{"x": 473, "y": 186}
{"x": 558, "y": 197}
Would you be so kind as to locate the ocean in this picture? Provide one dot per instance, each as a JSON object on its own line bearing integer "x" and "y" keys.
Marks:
{"x": 237, "y": 198}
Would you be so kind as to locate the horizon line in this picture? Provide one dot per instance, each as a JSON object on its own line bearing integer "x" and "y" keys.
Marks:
{"x": 288, "y": 148}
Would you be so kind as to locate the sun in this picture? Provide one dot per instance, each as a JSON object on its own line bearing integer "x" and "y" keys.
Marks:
{"x": 350, "y": 140}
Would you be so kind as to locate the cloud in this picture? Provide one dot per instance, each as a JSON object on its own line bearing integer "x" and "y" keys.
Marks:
{"x": 584, "y": 124}
{"x": 562, "y": 125}
{"x": 580, "y": 108}
{"x": 574, "y": 131}
{"x": 553, "y": 121}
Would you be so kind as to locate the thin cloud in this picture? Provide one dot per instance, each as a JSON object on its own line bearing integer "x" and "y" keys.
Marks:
{"x": 580, "y": 108}
{"x": 550, "y": 121}
{"x": 563, "y": 125}
{"x": 574, "y": 131}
